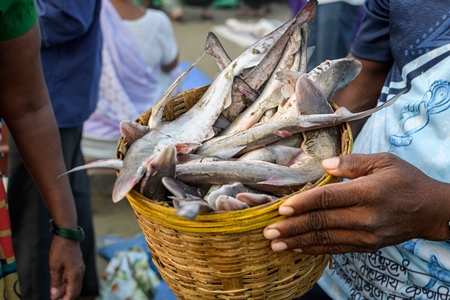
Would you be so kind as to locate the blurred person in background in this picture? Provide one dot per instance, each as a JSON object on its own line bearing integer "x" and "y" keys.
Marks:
{"x": 256, "y": 8}
{"x": 175, "y": 10}
{"x": 71, "y": 61}
{"x": 140, "y": 61}
{"x": 295, "y": 6}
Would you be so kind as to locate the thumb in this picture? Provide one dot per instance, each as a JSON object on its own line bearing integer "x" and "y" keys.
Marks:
{"x": 353, "y": 165}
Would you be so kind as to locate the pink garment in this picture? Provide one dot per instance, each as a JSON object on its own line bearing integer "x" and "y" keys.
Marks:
{"x": 128, "y": 87}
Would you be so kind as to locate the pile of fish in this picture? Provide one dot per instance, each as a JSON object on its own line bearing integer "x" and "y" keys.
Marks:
{"x": 258, "y": 133}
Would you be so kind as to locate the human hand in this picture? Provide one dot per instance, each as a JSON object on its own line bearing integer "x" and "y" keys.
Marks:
{"x": 389, "y": 201}
{"x": 66, "y": 269}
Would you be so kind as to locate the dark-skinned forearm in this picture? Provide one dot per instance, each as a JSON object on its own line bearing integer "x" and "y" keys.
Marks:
{"x": 363, "y": 92}
{"x": 169, "y": 67}
{"x": 27, "y": 111}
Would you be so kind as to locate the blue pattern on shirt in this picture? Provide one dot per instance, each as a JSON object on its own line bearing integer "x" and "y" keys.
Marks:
{"x": 417, "y": 129}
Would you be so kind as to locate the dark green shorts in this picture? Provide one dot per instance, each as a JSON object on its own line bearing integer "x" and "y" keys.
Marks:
{"x": 16, "y": 18}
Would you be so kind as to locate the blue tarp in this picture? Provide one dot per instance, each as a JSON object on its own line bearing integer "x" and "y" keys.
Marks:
{"x": 195, "y": 78}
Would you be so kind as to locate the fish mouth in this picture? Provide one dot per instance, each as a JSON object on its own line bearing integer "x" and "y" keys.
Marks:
{"x": 124, "y": 184}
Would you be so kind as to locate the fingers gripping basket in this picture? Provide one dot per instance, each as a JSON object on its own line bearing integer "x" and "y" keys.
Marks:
{"x": 223, "y": 255}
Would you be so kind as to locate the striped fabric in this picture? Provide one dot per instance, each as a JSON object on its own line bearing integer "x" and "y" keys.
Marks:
{"x": 9, "y": 283}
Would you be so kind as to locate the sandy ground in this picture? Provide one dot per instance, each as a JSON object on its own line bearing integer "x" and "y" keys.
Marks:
{"x": 118, "y": 218}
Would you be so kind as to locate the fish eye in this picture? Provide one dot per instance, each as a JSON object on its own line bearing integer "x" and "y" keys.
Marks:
{"x": 141, "y": 169}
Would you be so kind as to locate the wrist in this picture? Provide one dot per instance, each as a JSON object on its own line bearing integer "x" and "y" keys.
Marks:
{"x": 67, "y": 233}
{"x": 441, "y": 191}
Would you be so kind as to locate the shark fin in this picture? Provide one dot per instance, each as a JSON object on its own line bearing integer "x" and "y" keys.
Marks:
{"x": 103, "y": 163}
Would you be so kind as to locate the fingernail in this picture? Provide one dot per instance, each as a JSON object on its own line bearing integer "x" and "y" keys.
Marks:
{"x": 285, "y": 210}
{"x": 53, "y": 291}
{"x": 298, "y": 250}
{"x": 279, "y": 246}
{"x": 271, "y": 234}
{"x": 330, "y": 163}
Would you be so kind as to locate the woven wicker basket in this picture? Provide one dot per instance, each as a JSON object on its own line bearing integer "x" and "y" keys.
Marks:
{"x": 223, "y": 255}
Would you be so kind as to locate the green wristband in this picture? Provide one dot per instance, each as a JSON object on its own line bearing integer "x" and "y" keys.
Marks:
{"x": 67, "y": 233}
